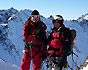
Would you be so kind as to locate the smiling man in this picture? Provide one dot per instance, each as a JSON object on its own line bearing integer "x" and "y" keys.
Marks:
{"x": 35, "y": 42}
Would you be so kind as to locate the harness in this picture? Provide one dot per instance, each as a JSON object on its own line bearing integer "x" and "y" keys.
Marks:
{"x": 37, "y": 52}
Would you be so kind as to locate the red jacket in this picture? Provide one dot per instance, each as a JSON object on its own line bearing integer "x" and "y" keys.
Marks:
{"x": 55, "y": 41}
{"x": 29, "y": 38}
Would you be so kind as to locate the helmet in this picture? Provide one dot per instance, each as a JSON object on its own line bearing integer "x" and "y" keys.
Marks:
{"x": 59, "y": 19}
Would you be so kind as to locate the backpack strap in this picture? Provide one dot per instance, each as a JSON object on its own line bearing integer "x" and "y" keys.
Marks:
{"x": 63, "y": 35}
{"x": 43, "y": 25}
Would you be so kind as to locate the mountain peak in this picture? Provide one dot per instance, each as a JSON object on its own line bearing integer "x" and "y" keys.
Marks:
{"x": 13, "y": 9}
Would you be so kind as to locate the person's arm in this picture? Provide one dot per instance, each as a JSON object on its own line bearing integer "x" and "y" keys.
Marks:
{"x": 27, "y": 38}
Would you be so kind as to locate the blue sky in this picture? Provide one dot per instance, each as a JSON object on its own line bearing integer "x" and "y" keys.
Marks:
{"x": 69, "y": 9}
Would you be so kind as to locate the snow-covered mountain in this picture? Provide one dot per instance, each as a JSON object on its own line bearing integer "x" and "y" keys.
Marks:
{"x": 6, "y": 14}
{"x": 11, "y": 37}
{"x": 83, "y": 21}
{"x": 50, "y": 17}
{"x": 83, "y": 17}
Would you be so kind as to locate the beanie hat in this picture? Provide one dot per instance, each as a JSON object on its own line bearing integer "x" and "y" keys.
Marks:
{"x": 35, "y": 12}
{"x": 59, "y": 19}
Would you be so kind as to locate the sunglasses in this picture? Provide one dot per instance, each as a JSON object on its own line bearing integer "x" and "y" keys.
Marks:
{"x": 56, "y": 20}
{"x": 35, "y": 16}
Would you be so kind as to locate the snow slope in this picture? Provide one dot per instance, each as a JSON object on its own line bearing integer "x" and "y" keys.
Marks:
{"x": 7, "y": 66}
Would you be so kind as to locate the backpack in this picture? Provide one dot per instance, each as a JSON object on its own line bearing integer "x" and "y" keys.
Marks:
{"x": 71, "y": 36}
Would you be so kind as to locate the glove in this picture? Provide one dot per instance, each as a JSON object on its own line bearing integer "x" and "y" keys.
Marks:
{"x": 39, "y": 35}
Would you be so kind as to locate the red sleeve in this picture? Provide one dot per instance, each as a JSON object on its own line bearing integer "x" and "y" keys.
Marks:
{"x": 27, "y": 38}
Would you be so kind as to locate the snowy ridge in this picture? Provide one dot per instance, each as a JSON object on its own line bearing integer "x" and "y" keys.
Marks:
{"x": 6, "y": 14}
{"x": 5, "y": 66}
{"x": 83, "y": 21}
{"x": 84, "y": 17}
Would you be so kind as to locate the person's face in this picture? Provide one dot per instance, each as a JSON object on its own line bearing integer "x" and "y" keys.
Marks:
{"x": 35, "y": 18}
{"x": 56, "y": 25}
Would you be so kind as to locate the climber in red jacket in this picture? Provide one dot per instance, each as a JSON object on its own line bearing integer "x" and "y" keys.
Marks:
{"x": 59, "y": 43}
{"x": 35, "y": 42}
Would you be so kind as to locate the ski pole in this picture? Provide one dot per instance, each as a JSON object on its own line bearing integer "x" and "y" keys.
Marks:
{"x": 70, "y": 67}
{"x": 31, "y": 55}
{"x": 75, "y": 54}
